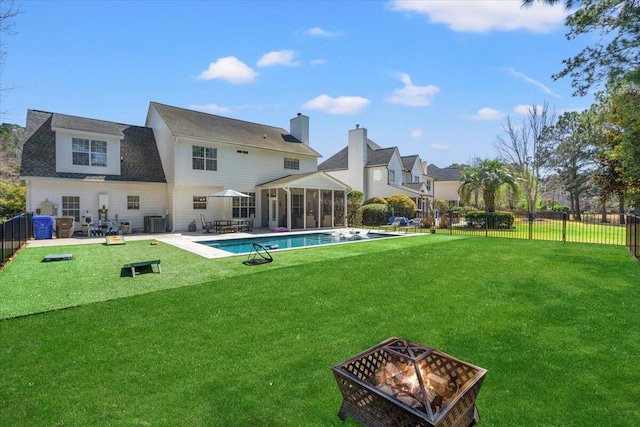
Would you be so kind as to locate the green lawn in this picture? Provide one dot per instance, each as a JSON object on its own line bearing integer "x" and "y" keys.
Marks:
{"x": 215, "y": 342}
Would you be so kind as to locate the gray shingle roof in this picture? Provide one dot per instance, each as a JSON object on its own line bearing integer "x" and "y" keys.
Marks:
{"x": 443, "y": 174}
{"x": 89, "y": 125}
{"x": 376, "y": 156}
{"x": 195, "y": 124}
{"x": 409, "y": 161}
{"x": 138, "y": 149}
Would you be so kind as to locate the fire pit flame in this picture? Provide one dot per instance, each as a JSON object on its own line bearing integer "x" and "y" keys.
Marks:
{"x": 402, "y": 381}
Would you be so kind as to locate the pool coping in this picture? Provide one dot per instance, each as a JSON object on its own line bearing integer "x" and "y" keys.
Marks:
{"x": 190, "y": 241}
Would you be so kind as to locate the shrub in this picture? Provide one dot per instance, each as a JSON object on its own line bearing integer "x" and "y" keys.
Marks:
{"x": 354, "y": 202}
{"x": 490, "y": 220}
{"x": 401, "y": 205}
{"x": 561, "y": 208}
{"x": 441, "y": 205}
{"x": 12, "y": 200}
{"x": 375, "y": 199}
{"x": 374, "y": 214}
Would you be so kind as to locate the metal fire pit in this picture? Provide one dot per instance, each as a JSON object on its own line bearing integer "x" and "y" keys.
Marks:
{"x": 400, "y": 383}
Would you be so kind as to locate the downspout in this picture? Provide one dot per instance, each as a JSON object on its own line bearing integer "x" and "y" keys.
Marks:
{"x": 28, "y": 189}
{"x": 173, "y": 190}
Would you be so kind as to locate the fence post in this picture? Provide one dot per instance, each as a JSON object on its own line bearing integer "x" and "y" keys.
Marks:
{"x": 531, "y": 214}
{"x": 2, "y": 234}
{"x": 486, "y": 224}
{"x": 564, "y": 226}
{"x": 450, "y": 221}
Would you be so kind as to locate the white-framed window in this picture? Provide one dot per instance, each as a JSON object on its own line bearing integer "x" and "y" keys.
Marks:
{"x": 199, "y": 202}
{"x": 88, "y": 152}
{"x": 204, "y": 158}
{"x": 290, "y": 163}
{"x": 377, "y": 175}
{"x": 416, "y": 178}
{"x": 428, "y": 184}
{"x": 243, "y": 207}
{"x": 392, "y": 176}
{"x": 71, "y": 206}
{"x": 133, "y": 202}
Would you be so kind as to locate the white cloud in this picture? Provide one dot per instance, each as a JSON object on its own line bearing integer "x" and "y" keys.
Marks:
{"x": 531, "y": 81}
{"x": 411, "y": 95}
{"x": 317, "y": 61}
{"x": 230, "y": 69}
{"x": 417, "y": 133}
{"x": 319, "y": 32}
{"x": 278, "y": 57}
{"x": 487, "y": 113}
{"x": 525, "y": 109}
{"x": 340, "y": 105}
{"x": 488, "y": 15}
{"x": 440, "y": 147}
{"x": 211, "y": 108}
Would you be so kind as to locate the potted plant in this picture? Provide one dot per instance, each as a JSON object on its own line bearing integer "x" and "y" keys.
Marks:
{"x": 192, "y": 226}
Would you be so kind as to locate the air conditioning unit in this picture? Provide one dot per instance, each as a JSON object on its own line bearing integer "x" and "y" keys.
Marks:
{"x": 154, "y": 224}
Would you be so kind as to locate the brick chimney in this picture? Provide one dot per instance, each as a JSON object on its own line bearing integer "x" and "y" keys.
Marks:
{"x": 357, "y": 158}
{"x": 299, "y": 128}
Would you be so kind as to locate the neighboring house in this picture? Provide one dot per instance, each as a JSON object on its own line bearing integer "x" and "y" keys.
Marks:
{"x": 448, "y": 181}
{"x": 377, "y": 171}
{"x": 171, "y": 167}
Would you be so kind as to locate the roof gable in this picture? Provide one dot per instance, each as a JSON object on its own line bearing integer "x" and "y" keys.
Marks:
{"x": 376, "y": 156}
{"x": 198, "y": 125}
{"x": 408, "y": 162}
{"x": 140, "y": 157}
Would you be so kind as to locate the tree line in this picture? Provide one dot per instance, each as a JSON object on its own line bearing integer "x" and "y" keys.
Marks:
{"x": 595, "y": 152}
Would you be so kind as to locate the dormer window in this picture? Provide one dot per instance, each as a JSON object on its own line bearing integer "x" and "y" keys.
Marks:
{"x": 89, "y": 152}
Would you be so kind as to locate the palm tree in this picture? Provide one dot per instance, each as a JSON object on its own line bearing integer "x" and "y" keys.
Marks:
{"x": 487, "y": 176}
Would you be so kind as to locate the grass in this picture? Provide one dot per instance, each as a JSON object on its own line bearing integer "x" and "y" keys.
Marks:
{"x": 214, "y": 342}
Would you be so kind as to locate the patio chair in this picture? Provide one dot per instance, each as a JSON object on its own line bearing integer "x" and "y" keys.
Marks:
{"x": 207, "y": 226}
{"x": 413, "y": 225}
{"x": 395, "y": 224}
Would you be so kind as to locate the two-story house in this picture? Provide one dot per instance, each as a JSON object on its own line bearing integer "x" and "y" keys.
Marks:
{"x": 448, "y": 182}
{"x": 377, "y": 171}
{"x": 171, "y": 167}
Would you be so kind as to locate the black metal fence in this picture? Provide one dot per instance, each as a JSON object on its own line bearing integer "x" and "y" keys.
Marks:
{"x": 633, "y": 235}
{"x": 555, "y": 226}
{"x": 13, "y": 234}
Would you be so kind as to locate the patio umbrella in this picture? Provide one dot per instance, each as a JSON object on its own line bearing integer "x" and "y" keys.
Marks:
{"x": 229, "y": 193}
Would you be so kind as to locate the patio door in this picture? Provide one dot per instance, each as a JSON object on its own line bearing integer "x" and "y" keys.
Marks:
{"x": 273, "y": 212}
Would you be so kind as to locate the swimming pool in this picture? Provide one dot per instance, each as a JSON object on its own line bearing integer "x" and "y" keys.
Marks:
{"x": 245, "y": 245}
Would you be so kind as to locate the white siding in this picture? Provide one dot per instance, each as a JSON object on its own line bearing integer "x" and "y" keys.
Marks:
{"x": 395, "y": 164}
{"x": 152, "y": 198}
{"x": 164, "y": 141}
{"x": 64, "y": 159}
{"x": 343, "y": 176}
{"x": 446, "y": 190}
{"x": 378, "y": 188}
{"x": 236, "y": 169}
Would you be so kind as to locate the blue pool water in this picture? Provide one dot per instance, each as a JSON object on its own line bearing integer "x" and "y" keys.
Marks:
{"x": 245, "y": 245}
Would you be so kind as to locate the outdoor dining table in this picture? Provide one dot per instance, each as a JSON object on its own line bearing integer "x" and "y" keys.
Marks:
{"x": 231, "y": 225}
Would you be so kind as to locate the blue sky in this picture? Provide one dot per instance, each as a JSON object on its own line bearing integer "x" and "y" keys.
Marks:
{"x": 434, "y": 78}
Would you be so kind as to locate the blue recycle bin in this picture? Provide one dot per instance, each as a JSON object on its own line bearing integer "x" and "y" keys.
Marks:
{"x": 42, "y": 226}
